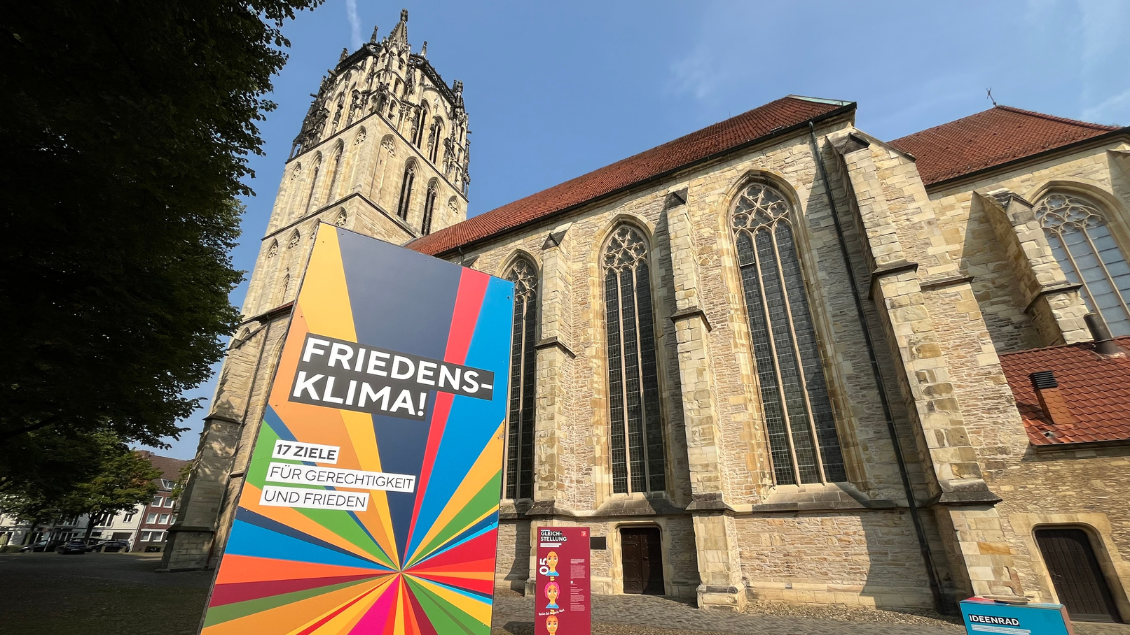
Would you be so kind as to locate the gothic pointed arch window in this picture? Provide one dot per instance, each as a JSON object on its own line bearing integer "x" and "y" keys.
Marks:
{"x": 284, "y": 285}
{"x": 421, "y": 125}
{"x": 313, "y": 184}
{"x": 1085, "y": 249}
{"x": 435, "y": 140}
{"x": 406, "y": 190}
{"x": 523, "y": 362}
{"x": 637, "y": 448}
{"x": 803, "y": 443}
{"x": 338, "y": 154}
{"x": 429, "y": 208}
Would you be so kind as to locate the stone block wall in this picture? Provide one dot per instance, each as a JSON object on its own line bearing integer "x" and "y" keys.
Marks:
{"x": 969, "y": 239}
{"x": 865, "y": 558}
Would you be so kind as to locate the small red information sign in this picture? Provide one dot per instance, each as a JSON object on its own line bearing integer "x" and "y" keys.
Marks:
{"x": 563, "y": 602}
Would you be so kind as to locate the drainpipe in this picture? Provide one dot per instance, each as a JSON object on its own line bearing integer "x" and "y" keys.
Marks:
{"x": 940, "y": 602}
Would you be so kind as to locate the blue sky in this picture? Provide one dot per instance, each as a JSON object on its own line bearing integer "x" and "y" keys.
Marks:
{"x": 554, "y": 90}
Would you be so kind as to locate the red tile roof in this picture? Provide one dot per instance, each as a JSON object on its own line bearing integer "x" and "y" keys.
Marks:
{"x": 1096, "y": 389}
{"x": 752, "y": 126}
{"x": 169, "y": 467}
{"x": 990, "y": 138}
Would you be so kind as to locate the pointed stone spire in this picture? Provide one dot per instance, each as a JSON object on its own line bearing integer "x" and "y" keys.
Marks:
{"x": 344, "y": 54}
{"x": 399, "y": 34}
{"x": 424, "y": 49}
{"x": 373, "y": 39}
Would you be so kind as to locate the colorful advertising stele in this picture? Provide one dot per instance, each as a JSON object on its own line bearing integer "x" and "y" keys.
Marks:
{"x": 370, "y": 504}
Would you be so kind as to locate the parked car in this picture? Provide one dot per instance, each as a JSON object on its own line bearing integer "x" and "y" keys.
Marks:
{"x": 74, "y": 546}
{"x": 113, "y": 546}
{"x": 42, "y": 545}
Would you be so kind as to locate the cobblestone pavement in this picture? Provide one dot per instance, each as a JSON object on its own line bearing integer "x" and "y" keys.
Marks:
{"x": 648, "y": 615}
{"x": 47, "y": 594}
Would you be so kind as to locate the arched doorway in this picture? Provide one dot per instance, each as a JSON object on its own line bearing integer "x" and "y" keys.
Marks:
{"x": 1076, "y": 574}
{"x": 642, "y": 558}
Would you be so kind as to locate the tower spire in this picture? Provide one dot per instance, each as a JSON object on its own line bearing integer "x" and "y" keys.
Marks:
{"x": 399, "y": 34}
{"x": 373, "y": 39}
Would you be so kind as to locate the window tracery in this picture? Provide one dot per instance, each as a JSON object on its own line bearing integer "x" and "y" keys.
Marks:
{"x": 429, "y": 209}
{"x": 1085, "y": 249}
{"x": 406, "y": 191}
{"x": 804, "y": 446}
{"x": 523, "y": 367}
{"x": 637, "y": 448}
{"x": 295, "y": 238}
{"x": 336, "y": 171}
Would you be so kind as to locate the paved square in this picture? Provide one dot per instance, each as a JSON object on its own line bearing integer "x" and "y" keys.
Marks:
{"x": 47, "y": 594}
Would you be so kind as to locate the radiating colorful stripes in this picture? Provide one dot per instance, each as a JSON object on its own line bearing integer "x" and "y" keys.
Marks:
{"x": 420, "y": 563}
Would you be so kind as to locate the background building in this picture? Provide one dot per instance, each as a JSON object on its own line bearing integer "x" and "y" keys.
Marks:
{"x": 127, "y": 525}
{"x": 777, "y": 358}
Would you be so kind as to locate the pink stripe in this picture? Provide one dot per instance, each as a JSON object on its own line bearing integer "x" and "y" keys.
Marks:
{"x": 464, "y": 318}
{"x": 375, "y": 618}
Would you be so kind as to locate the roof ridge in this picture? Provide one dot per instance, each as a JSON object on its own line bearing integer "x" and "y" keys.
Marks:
{"x": 941, "y": 125}
{"x": 752, "y": 126}
{"x": 1120, "y": 338}
{"x": 1074, "y": 122}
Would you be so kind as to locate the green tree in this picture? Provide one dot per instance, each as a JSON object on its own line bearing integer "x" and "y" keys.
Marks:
{"x": 125, "y": 478}
{"x": 125, "y": 127}
{"x": 102, "y": 476}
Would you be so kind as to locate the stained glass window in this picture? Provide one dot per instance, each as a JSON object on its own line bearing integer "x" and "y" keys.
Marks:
{"x": 1084, "y": 247}
{"x": 803, "y": 443}
{"x": 523, "y": 366}
{"x": 637, "y": 447}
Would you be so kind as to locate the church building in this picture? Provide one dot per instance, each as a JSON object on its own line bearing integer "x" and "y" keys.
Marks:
{"x": 776, "y": 359}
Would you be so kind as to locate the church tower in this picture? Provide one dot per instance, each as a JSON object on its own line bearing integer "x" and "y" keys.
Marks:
{"x": 383, "y": 151}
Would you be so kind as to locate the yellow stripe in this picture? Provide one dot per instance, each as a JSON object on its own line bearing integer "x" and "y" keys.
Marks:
{"x": 378, "y": 519}
{"x": 325, "y": 295}
{"x": 475, "y": 608}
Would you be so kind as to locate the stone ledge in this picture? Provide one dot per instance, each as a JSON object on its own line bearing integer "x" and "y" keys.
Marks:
{"x": 683, "y": 314}
{"x": 817, "y": 506}
{"x": 1059, "y": 288}
{"x": 944, "y": 282}
{"x": 638, "y": 507}
{"x": 554, "y": 341}
{"x": 708, "y": 502}
{"x": 974, "y": 497}
{"x": 888, "y": 269}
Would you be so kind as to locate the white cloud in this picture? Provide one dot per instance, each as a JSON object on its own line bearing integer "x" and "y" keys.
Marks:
{"x": 354, "y": 23}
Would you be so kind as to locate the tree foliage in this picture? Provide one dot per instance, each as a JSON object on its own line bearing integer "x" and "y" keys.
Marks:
{"x": 103, "y": 477}
{"x": 125, "y": 128}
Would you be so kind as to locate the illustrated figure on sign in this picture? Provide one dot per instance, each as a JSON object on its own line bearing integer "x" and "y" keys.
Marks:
{"x": 551, "y": 562}
{"x": 552, "y": 590}
{"x": 551, "y": 624}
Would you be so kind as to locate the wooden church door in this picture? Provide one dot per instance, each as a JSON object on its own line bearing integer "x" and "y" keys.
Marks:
{"x": 1075, "y": 571}
{"x": 642, "y": 556}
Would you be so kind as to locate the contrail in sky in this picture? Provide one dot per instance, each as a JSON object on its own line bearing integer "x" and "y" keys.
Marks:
{"x": 354, "y": 22}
